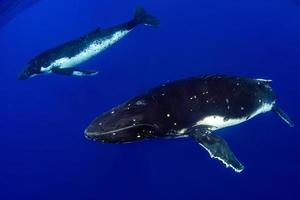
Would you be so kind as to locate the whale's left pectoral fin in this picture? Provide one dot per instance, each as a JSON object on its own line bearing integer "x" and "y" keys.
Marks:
{"x": 216, "y": 146}
{"x": 74, "y": 72}
{"x": 283, "y": 116}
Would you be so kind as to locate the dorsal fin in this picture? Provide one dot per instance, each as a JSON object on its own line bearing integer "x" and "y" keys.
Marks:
{"x": 97, "y": 30}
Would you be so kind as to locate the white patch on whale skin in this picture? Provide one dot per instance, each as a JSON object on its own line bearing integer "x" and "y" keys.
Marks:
{"x": 263, "y": 109}
{"x": 182, "y": 131}
{"x": 219, "y": 122}
{"x": 92, "y": 50}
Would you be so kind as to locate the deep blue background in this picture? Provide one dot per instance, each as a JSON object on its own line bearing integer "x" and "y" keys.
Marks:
{"x": 43, "y": 153}
{"x": 11, "y": 8}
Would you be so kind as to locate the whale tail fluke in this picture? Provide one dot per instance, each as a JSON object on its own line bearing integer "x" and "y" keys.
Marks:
{"x": 283, "y": 116}
{"x": 142, "y": 17}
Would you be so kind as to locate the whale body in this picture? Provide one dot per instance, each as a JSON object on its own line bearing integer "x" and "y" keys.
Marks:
{"x": 64, "y": 58}
{"x": 196, "y": 107}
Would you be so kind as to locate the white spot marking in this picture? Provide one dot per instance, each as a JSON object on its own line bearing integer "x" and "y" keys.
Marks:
{"x": 140, "y": 103}
{"x": 193, "y": 97}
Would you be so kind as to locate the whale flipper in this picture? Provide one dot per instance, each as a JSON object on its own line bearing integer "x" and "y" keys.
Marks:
{"x": 74, "y": 72}
{"x": 216, "y": 146}
{"x": 283, "y": 116}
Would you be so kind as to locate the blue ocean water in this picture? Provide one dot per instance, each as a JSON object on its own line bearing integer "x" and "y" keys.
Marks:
{"x": 11, "y": 8}
{"x": 43, "y": 152}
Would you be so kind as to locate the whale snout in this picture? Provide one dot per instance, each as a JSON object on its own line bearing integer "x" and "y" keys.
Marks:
{"x": 29, "y": 71}
{"x": 113, "y": 127}
{"x": 23, "y": 76}
{"x": 26, "y": 74}
{"x": 121, "y": 124}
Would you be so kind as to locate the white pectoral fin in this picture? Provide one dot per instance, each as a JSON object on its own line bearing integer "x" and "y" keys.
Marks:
{"x": 74, "y": 72}
{"x": 216, "y": 146}
{"x": 79, "y": 72}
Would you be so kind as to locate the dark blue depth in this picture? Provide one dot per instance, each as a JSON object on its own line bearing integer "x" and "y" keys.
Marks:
{"x": 43, "y": 152}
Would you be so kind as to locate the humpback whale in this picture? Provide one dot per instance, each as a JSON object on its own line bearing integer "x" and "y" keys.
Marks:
{"x": 64, "y": 58}
{"x": 195, "y": 107}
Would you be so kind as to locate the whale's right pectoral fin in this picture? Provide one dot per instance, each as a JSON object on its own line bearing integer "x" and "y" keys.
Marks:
{"x": 74, "y": 72}
{"x": 216, "y": 146}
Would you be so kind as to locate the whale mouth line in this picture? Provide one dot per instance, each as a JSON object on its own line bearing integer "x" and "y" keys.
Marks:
{"x": 120, "y": 129}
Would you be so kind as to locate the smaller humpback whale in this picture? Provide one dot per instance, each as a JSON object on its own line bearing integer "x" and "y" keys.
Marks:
{"x": 194, "y": 107}
{"x": 64, "y": 58}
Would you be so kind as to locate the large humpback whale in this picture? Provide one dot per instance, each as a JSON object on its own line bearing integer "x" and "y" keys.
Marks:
{"x": 194, "y": 107}
{"x": 64, "y": 58}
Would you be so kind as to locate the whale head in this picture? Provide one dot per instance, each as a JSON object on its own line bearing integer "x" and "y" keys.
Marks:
{"x": 133, "y": 120}
{"x": 30, "y": 70}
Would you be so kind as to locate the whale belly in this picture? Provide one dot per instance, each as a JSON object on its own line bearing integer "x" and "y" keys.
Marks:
{"x": 90, "y": 51}
{"x": 219, "y": 122}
